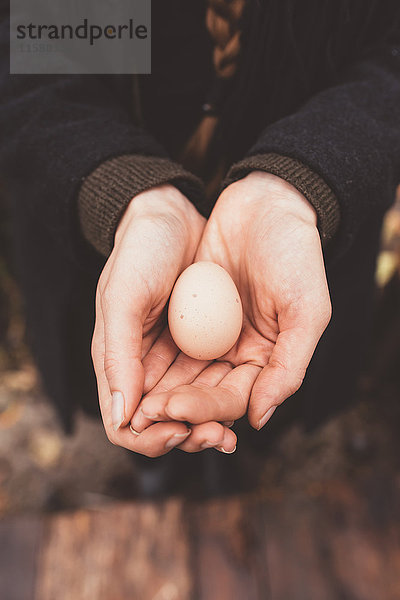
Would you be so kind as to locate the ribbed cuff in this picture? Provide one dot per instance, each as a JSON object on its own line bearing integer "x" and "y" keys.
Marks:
{"x": 306, "y": 181}
{"x": 107, "y": 191}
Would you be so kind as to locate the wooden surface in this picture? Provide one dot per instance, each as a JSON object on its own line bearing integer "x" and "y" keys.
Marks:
{"x": 20, "y": 541}
{"x": 329, "y": 542}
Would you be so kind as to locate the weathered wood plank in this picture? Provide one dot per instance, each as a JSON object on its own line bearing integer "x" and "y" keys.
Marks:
{"x": 19, "y": 543}
{"x": 228, "y": 551}
{"x": 362, "y": 527}
{"x": 331, "y": 540}
{"x": 127, "y": 551}
{"x": 330, "y": 545}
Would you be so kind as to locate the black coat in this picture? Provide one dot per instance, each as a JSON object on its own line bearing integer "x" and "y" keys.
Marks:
{"x": 328, "y": 95}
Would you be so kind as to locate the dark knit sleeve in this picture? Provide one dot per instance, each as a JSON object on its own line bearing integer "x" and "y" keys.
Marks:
{"x": 56, "y": 131}
{"x": 107, "y": 191}
{"x": 306, "y": 181}
{"x": 348, "y": 136}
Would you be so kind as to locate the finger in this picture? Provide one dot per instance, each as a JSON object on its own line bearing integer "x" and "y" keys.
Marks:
{"x": 182, "y": 371}
{"x": 214, "y": 373}
{"x": 157, "y": 441}
{"x": 158, "y": 359}
{"x": 105, "y": 400}
{"x": 98, "y": 364}
{"x": 227, "y": 401}
{"x": 122, "y": 355}
{"x": 283, "y": 375}
{"x": 210, "y": 435}
{"x": 212, "y": 377}
{"x": 153, "y": 406}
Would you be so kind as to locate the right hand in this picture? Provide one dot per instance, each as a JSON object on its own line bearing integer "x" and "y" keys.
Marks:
{"x": 155, "y": 241}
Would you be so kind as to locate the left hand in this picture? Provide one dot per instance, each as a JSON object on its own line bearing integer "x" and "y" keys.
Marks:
{"x": 263, "y": 232}
{"x": 156, "y": 239}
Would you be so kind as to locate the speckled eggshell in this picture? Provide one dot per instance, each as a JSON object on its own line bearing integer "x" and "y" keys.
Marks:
{"x": 205, "y": 312}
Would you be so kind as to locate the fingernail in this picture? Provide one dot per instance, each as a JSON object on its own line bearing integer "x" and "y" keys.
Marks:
{"x": 266, "y": 417}
{"x": 229, "y": 423}
{"x": 221, "y": 449}
{"x": 134, "y": 430}
{"x": 176, "y": 439}
{"x": 117, "y": 409}
{"x": 207, "y": 445}
{"x": 152, "y": 417}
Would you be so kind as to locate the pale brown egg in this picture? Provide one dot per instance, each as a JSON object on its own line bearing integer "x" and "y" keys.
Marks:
{"x": 205, "y": 312}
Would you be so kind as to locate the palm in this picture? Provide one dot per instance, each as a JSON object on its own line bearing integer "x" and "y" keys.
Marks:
{"x": 260, "y": 326}
{"x": 158, "y": 349}
{"x": 240, "y": 367}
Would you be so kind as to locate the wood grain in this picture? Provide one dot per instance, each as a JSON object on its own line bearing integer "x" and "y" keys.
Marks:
{"x": 20, "y": 540}
{"x": 331, "y": 540}
{"x": 228, "y": 550}
{"x": 123, "y": 552}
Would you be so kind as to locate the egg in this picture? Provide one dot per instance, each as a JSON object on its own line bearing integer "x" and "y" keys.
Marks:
{"x": 205, "y": 312}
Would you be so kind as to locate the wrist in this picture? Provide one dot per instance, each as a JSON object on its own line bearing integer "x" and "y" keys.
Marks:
{"x": 285, "y": 195}
{"x": 165, "y": 207}
{"x": 271, "y": 194}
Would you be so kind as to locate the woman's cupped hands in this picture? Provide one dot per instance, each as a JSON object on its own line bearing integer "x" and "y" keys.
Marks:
{"x": 153, "y": 397}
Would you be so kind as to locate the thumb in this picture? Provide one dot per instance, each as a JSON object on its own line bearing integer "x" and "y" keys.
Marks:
{"x": 283, "y": 375}
{"x": 123, "y": 368}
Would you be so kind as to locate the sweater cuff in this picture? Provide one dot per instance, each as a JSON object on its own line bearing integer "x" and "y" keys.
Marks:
{"x": 306, "y": 181}
{"x": 107, "y": 191}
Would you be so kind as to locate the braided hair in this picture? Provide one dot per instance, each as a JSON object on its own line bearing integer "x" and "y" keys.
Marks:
{"x": 223, "y": 21}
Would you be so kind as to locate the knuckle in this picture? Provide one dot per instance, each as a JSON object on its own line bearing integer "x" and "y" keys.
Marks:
{"x": 217, "y": 430}
{"x": 111, "y": 366}
{"x": 238, "y": 401}
{"x": 294, "y": 385}
{"x": 293, "y": 380}
{"x": 261, "y": 356}
{"x": 277, "y": 363}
